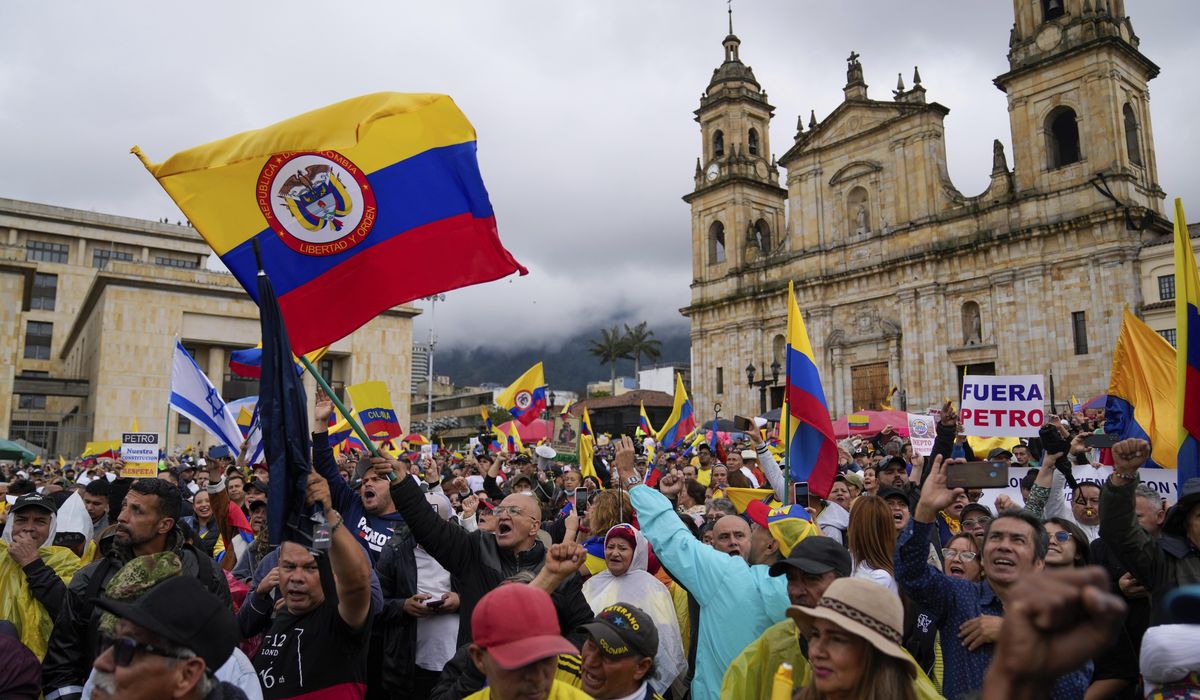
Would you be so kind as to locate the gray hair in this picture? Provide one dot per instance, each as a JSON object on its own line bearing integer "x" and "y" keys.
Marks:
{"x": 1144, "y": 491}
{"x": 207, "y": 682}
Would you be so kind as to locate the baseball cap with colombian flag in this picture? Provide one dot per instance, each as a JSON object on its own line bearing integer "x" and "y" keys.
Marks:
{"x": 787, "y": 524}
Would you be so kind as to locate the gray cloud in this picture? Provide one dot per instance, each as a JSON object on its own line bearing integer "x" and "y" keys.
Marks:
{"x": 583, "y": 110}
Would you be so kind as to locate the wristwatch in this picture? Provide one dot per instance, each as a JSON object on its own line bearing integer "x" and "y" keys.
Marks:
{"x": 633, "y": 480}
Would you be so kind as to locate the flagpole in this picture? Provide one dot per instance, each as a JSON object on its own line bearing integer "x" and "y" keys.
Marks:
{"x": 787, "y": 414}
{"x": 167, "y": 429}
{"x": 358, "y": 430}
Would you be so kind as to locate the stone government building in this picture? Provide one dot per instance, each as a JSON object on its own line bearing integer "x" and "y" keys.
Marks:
{"x": 91, "y": 305}
{"x": 902, "y": 279}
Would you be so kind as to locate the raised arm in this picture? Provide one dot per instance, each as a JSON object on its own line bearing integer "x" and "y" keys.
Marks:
{"x": 323, "y": 461}
{"x": 451, "y": 545}
{"x": 1118, "y": 516}
{"x": 770, "y": 467}
{"x": 923, "y": 583}
{"x": 351, "y": 568}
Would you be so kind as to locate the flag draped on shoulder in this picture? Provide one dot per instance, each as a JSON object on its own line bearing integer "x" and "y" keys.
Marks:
{"x": 1141, "y": 391}
{"x": 682, "y": 420}
{"x": 373, "y": 406}
{"x": 194, "y": 397}
{"x": 811, "y": 448}
{"x": 283, "y": 412}
{"x": 1187, "y": 347}
{"x": 525, "y": 398}
{"x": 338, "y": 198}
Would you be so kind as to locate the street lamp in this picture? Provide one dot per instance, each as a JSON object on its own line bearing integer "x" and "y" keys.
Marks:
{"x": 550, "y": 417}
{"x": 763, "y": 383}
{"x": 433, "y": 300}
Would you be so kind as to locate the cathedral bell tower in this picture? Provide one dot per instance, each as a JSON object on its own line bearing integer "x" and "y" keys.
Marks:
{"x": 1078, "y": 102}
{"x": 738, "y": 207}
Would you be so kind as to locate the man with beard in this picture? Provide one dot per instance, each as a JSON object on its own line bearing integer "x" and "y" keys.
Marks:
{"x": 969, "y": 613}
{"x": 146, "y": 525}
{"x": 369, "y": 514}
{"x": 481, "y": 560}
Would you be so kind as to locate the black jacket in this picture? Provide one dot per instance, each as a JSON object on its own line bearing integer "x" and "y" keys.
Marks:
{"x": 74, "y": 642}
{"x": 397, "y": 571}
{"x": 47, "y": 587}
{"x": 478, "y": 563}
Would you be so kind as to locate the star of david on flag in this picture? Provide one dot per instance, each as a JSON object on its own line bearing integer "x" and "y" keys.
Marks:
{"x": 194, "y": 397}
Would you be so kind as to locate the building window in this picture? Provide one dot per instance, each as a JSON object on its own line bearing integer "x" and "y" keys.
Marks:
{"x": 753, "y": 142}
{"x": 41, "y": 251}
{"x": 101, "y": 256}
{"x": 1166, "y": 287}
{"x": 37, "y": 340}
{"x": 1168, "y": 335}
{"x": 325, "y": 367}
{"x": 44, "y": 292}
{"x": 1052, "y": 9}
{"x": 1062, "y": 137}
{"x": 716, "y": 243}
{"x": 1079, "y": 330}
{"x": 1132, "y": 138}
{"x": 760, "y": 236}
{"x": 36, "y": 402}
{"x": 177, "y": 262}
{"x": 720, "y": 380}
{"x": 718, "y": 144}
{"x": 185, "y": 425}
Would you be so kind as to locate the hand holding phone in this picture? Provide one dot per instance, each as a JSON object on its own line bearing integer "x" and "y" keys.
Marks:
{"x": 977, "y": 475}
{"x": 1101, "y": 440}
{"x": 742, "y": 424}
{"x": 581, "y": 497}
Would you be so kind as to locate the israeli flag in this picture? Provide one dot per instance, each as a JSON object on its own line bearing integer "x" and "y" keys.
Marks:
{"x": 195, "y": 398}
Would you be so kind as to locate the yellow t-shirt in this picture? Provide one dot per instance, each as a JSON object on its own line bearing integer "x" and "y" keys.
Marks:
{"x": 558, "y": 691}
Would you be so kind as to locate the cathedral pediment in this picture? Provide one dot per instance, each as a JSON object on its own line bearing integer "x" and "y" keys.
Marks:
{"x": 851, "y": 119}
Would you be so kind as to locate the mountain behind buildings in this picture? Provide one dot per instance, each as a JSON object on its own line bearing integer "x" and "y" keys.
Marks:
{"x": 568, "y": 363}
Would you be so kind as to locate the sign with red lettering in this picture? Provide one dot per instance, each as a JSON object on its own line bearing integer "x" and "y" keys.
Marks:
{"x": 1011, "y": 406}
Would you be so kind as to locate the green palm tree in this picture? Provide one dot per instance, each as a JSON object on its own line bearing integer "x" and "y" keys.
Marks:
{"x": 609, "y": 348}
{"x": 639, "y": 342}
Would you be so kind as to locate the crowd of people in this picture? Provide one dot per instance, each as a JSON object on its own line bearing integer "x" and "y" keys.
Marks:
{"x": 698, "y": 572}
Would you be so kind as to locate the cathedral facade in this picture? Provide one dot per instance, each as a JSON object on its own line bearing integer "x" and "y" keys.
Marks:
{"x": 903, "y": 280}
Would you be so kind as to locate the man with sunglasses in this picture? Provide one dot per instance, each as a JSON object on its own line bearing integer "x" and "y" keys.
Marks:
{"x": 167, "y": 644}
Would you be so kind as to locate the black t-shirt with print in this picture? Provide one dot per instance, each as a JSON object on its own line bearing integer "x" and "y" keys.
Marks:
{"x": 315, "y": 656}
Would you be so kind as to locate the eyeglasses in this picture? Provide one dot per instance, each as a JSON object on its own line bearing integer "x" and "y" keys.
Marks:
{"x": 512, "y": 511}
{"x": 975, "y": 522}
{"x": 956, "y": 554}
{"x": 1062, "y": 536}
{"x": 124, "y": 649}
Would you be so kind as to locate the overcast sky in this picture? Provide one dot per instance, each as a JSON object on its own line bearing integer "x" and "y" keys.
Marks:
{"x": 583, "y": 110}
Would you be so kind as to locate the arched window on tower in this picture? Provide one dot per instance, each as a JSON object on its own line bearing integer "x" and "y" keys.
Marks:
{"x": 858, "y": 210}
{"x": 753, "y": 141}
{"x": 1062, "y": 137}
{"x": 718, "y": 144}
{"x": 761, "y": 233}
{"x": 779, "y": 350}
{"x": 1133, "y": 140}
{"x": 1051, "y": 9}
{"x": 716, "y": 243}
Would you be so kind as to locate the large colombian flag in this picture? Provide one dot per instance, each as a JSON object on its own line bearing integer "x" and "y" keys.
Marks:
{"x": 337, "y": 198}
{"x": 525, "y": 398}
{"x": 681, "y": 422}
{"x": 1141, "y": 399}
{"x": 1187, "y": 347}
{"x": 811, "y": 449}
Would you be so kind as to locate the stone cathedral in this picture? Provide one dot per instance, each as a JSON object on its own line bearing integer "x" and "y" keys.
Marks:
{"x": 903, "y": 280}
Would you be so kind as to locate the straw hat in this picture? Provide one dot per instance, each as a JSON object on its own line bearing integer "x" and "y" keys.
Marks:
{"x": 864, "y": 609}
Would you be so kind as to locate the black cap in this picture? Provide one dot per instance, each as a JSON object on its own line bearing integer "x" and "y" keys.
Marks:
{"x": 34, "y": 500}
{"x": 520, "y": 459}
{"x": 999, "y": 453}
{"x": 888, "y": 462}
{"x": 975, "y": 506}
{"x": 886, "y": 492}
{"x": 255, "y": 505}
{"x": 621, "y": 628}
{"x": 220, "y": 452}
{"x": 815, "y": 555}
{"x": 182, "y": 612}
{"x": 703, "y": 446}
{"x": 257, "y": 485}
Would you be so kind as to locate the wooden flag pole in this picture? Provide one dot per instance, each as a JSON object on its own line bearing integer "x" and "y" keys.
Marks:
{"x": 358, "y": 429}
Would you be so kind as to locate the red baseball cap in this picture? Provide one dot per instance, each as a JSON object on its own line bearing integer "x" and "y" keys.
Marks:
{"x": 517, "y": 625}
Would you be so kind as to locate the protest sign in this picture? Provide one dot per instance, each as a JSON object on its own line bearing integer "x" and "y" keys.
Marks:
{"x": 1006, "y": 406}
{"x": 1162, "y": 481}
{"x": 139, "y": 451}
{"x": 922, "y": 429}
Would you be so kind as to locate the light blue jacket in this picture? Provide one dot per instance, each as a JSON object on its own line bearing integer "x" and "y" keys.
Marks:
{"x": 738, "y": 602}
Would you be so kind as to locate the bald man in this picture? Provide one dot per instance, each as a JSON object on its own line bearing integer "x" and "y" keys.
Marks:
{"x": 480, "y": 560}
{"x": 731, "y": 535}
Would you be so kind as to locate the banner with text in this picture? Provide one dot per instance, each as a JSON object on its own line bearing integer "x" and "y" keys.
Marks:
{"x": 139, "y": 451}
{"x": 922, "y": 429}
{"x": 1008, "y": 406}
{"x": 1162, "y": 481}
